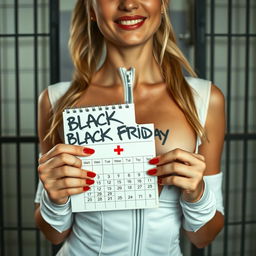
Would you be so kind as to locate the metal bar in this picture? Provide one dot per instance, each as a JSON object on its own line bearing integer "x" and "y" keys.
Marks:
{"x": 247, "y": 222}
{"x": 19, "y": 139}
{"x": 1, "y": 166}
{"x": 35, "y": 10}
{"x": 240, "y": 136}
{"x": 231, "y": 35}
{"x": 16, "y": 228}
{"x": 200, "y": 62}
{"x": 196, "y": 252}
{"x": 54, "y": 57}
{"x": 17, "y": 94}
{"x": 227, "y": 169}
{"x": 212, "y": 65}
{"x": 200, "y": 46}
{"x": 25, "y": 35}
{"x": 212, "y": 25}
{"x": 23, "y": 5}
{"x": 54, "y": 42}
{"x": 17, "y": 108}
{"x": 246, "y": 110}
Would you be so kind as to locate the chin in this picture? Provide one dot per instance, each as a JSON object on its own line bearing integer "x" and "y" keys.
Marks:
{"x": 132, "y": 42}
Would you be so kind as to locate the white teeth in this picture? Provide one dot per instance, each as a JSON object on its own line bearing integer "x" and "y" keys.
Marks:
{"x": 129, "y": 22}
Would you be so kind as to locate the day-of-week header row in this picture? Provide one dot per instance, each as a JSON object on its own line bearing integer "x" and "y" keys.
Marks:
{"x": 119, "y": 160}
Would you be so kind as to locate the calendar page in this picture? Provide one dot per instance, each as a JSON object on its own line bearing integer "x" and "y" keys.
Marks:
{"x": 122, "y": 151}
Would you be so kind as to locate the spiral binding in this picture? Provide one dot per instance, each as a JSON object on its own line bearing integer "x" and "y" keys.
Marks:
{"x": 95, "y": 108}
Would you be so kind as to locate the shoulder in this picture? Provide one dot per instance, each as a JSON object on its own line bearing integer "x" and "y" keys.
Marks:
{"x": 204, "y": 87}
{"x": 50, "y": 95}
{"x": 44, "y": 104}
{"x": 201, "y": 90}
{"x": 217, "y": 99}
{"x": 216, "y": 109}
{"x": 56, "y": 91}
{"x": 215, "y": 126}
{"x": 44, "y": 117}
{"x": 208, "y": 97}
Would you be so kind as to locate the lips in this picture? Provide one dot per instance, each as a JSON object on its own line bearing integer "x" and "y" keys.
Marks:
{"x": 130, "y": 22}
{"x": 135, "y": 17}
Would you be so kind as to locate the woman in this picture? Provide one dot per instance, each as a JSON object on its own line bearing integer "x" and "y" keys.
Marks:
{"x": 136, "y": 33}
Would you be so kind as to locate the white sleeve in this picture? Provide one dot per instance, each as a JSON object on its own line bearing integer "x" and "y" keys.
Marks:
{"x": 39, "y": 192}
{"x": 40, "y": 188}
{"x": 214, "y": 182}
{"x": 60, "y": 217}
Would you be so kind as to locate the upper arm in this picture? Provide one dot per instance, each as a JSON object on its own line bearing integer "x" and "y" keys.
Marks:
{"x": 44, "y": 117}
{"x": 44, "y": 121}
{"x": 212, "y": 148}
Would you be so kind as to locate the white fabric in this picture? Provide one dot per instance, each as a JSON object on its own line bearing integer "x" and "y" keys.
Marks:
{"x": 133, "y": 232}
{"x": 198, "y": 213}
{"x": 202, "y": 91}
{"x": 215, "y": 183}
{"x": 39, "y": 192}
{"x": 58, "y": 216}
{"x": 56, "y": 91}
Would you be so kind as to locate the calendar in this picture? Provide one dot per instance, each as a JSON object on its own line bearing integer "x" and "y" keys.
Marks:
{"x": 122, "y": 151}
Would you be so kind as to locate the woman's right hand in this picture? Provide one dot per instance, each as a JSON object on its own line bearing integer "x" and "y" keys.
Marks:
{"x": 61, "y": 174}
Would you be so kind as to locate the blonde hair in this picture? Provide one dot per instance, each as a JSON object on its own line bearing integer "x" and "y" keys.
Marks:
{"x": 86, "y": 43}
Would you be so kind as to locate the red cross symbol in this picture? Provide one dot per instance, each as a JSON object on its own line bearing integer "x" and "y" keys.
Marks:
{"x": 118, "y": 150}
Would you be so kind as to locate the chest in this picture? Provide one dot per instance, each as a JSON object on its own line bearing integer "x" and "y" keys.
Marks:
{"x": 152, "y": 105}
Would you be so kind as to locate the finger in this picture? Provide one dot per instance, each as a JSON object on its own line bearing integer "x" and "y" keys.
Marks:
{"x": 63, "y": 159}
{"x": 199, "y": 157}
{"x": 72, "y": 172}
{"x": 173, "y": 168}
{"x": 175, "y": 155}
{"x": 181, "y": 182}
{"x": 63, "y": 193}
{"x": 67, "y": 183}
{"x": 68, "y": 149}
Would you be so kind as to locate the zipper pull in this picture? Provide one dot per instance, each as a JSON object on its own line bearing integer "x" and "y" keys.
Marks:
{"x": 127, "y": 77}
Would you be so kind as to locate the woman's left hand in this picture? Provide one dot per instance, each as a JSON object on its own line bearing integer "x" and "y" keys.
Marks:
{"x": 182, "y": 169}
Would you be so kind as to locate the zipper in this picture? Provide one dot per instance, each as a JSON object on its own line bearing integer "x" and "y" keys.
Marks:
{"x": 135, "y": 232}
{"x": 138, "y": 231}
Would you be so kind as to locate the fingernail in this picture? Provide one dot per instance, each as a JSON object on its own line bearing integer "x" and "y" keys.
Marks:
{"x": 159, "y": 181}
{"x": 91, "y": 174}
{"x": 88, "y": 150}
{"x": 152, "y": 171}
{"x": 154, "y": 160}
{"x": 89, "y": 182}
{"x": 86, "y": 188}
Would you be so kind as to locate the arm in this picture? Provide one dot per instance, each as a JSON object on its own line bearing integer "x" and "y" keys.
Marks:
{"x": 186, "y": 170}
{"x": 49, "y": 232}
{"x": 61, "y": 173}
{"x": 211, "y": 150}
{"x": 44, "y": 115}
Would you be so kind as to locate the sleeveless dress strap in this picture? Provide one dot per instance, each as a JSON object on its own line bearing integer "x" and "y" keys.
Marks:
{"x": 202, "y": 91}
{"x": 56, "y": 91}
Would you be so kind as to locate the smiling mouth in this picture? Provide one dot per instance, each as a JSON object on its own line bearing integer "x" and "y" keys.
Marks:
{"x": 130, "y": 22}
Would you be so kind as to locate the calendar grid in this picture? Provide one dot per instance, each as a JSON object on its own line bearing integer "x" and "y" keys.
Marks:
{"x": 120, "y": 183}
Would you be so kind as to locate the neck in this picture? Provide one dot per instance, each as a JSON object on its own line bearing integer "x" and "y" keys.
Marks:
{"x": 147, "y": 70}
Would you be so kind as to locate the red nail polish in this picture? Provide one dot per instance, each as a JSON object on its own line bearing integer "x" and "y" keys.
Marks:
{"x": 154, "y": 160}
{"x": 91, "y": 174}
{"x": 86, "y": 188}
{"x": 152, "y": 171}
{"x": 89, "y": 182}
{"x": 88, "y": 150}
